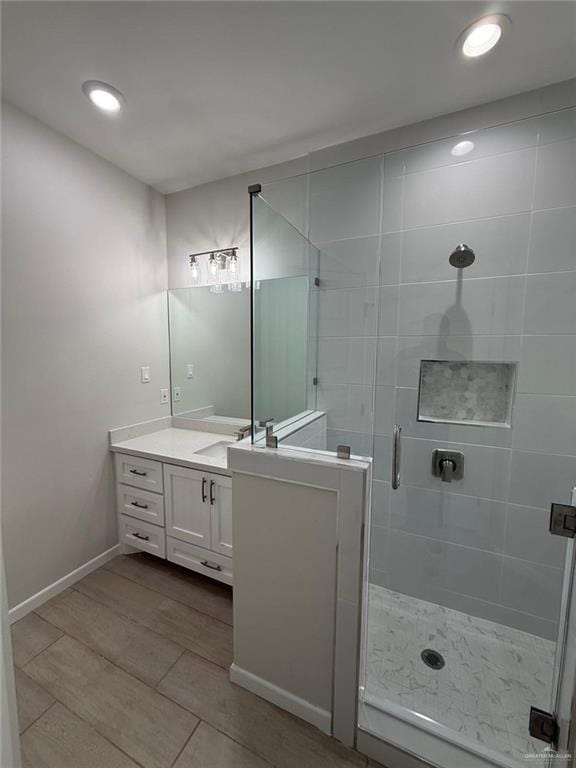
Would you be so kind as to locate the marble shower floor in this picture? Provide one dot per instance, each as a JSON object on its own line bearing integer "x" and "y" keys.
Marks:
{"x": 492, "y": 676}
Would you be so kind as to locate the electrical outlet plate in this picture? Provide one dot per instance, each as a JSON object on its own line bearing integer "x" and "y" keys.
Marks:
{"x": 163, "y": 395}
{"x": 177, "y": 393}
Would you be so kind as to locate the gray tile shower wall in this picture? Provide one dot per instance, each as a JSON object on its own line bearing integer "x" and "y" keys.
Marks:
{"x": 388, "y": 299}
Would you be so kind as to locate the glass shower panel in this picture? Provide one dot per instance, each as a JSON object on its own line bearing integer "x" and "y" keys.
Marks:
{"x": 465, "y": 604}
{"x": 284, "y": 265}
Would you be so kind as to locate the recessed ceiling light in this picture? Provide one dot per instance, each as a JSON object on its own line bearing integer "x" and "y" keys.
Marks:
{"x": 482, "y": 36}
{"x": 104, "y": 96}
{"x": 462, "y": 148}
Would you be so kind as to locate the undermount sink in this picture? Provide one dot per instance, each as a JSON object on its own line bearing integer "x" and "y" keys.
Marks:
{"x": 216, "y": 450}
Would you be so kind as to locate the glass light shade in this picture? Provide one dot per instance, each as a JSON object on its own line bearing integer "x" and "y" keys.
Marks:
{"x": 194, "y": 269}
{"x": 213, "y": 265}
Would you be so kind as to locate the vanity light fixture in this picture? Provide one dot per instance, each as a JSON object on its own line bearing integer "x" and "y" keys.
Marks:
{"x": 222, "y": 268}
{"x": 104, "y": 96}
{"x": 481, "y": 36}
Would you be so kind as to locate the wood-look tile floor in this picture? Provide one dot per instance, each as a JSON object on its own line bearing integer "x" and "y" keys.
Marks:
{"x": 129, "y": 669}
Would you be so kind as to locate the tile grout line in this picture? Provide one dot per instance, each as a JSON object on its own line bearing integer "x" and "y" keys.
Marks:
{"x": 120, "y": 615}
{"x": 57, "y": 702}
{"x": 135, "y": 621}
{"x": 234, "y": 739}
{"x": 188, "y": 740}
{"x": 39, "y": 716}
{"x": 137, "y": 624}
{"x": 49, "y": 644}
{"x": 240, "y": 744}
{"x": 105, "y": 738}
{"x": 120, "y": 669}
{"x": 159, "y": 592}
{"x": 169, "y": 670}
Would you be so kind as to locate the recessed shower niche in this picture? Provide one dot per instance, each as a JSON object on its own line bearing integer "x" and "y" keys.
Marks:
{"x": 466, "y": 392}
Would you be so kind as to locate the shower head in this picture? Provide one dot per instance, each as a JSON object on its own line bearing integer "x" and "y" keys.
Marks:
{"x": 462, "y": 256}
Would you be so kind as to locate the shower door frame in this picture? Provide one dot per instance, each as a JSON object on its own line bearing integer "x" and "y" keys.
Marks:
{"x": 417, "y": 735}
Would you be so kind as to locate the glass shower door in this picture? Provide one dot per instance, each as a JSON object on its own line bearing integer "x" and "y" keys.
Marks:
{"x": 467, "y": 590}
{"x": 465, "y": 599}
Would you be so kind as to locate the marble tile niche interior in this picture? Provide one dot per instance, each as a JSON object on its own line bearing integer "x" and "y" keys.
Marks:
{"x": 467, "y": 392}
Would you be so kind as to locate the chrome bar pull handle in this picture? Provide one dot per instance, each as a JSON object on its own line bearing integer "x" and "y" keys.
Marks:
{"x": 396, "y": 455}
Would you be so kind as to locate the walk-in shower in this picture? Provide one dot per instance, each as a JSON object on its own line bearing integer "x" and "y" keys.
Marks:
{"x": 461, "y": 385}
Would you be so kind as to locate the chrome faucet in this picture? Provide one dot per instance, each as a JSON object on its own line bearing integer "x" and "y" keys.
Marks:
{"x": 243, "y": 432}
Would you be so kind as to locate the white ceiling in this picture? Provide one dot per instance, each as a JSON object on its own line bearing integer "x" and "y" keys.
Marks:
{"x": 218, "y": 88}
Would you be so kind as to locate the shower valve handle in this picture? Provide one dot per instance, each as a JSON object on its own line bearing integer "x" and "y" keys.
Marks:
{"x": 447, "y": 467}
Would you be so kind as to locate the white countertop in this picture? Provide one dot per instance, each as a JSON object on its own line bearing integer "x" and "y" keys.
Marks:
{"x": 177, "y": 446}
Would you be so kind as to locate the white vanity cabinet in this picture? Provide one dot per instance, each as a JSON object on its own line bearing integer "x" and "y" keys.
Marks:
{"x": 177, "y": 513}
{"x": 188, "y": 505}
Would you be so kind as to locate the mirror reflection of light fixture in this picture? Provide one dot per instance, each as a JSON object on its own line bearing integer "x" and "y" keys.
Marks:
{"x": 213, "y": 264}
{"x": 194, "y": 269}
{"x": 222, "y": 268}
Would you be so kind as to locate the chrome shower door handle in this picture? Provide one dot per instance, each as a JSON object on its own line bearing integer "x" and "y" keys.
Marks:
{"x": 396, "y": 455}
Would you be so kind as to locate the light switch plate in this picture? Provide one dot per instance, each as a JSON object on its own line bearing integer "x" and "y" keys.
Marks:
{"x": 177, "y": 393}
{"x": 190, "y": 371}
{"x": 145, "y": 374}
{"x": 163, "y": 395}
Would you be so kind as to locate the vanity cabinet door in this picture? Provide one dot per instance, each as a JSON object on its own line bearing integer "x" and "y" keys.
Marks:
{"x": 221, "y": 508}
{"x": 187, "y": 505}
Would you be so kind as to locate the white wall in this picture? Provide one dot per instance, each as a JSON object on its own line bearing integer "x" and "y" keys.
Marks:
{"x": 84, "y": 275}
{"x": 217, "y": 215}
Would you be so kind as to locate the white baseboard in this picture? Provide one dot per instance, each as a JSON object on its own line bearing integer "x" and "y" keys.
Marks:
{"x": 321, "y": 718}
{"x": 20, "y": 610}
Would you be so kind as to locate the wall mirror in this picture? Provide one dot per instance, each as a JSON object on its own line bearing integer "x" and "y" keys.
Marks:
{"x": 210, "y": 353}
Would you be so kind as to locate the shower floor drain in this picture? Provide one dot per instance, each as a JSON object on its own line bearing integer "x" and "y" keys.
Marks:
{"x": 432, "y": 658}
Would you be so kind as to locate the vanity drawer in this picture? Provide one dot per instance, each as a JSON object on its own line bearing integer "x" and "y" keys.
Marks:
{"x": 198, "y": 559}
{"x": 142, "y": 473}
{"x": 141, "y": 504}
{"x": 144, "y": 536}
